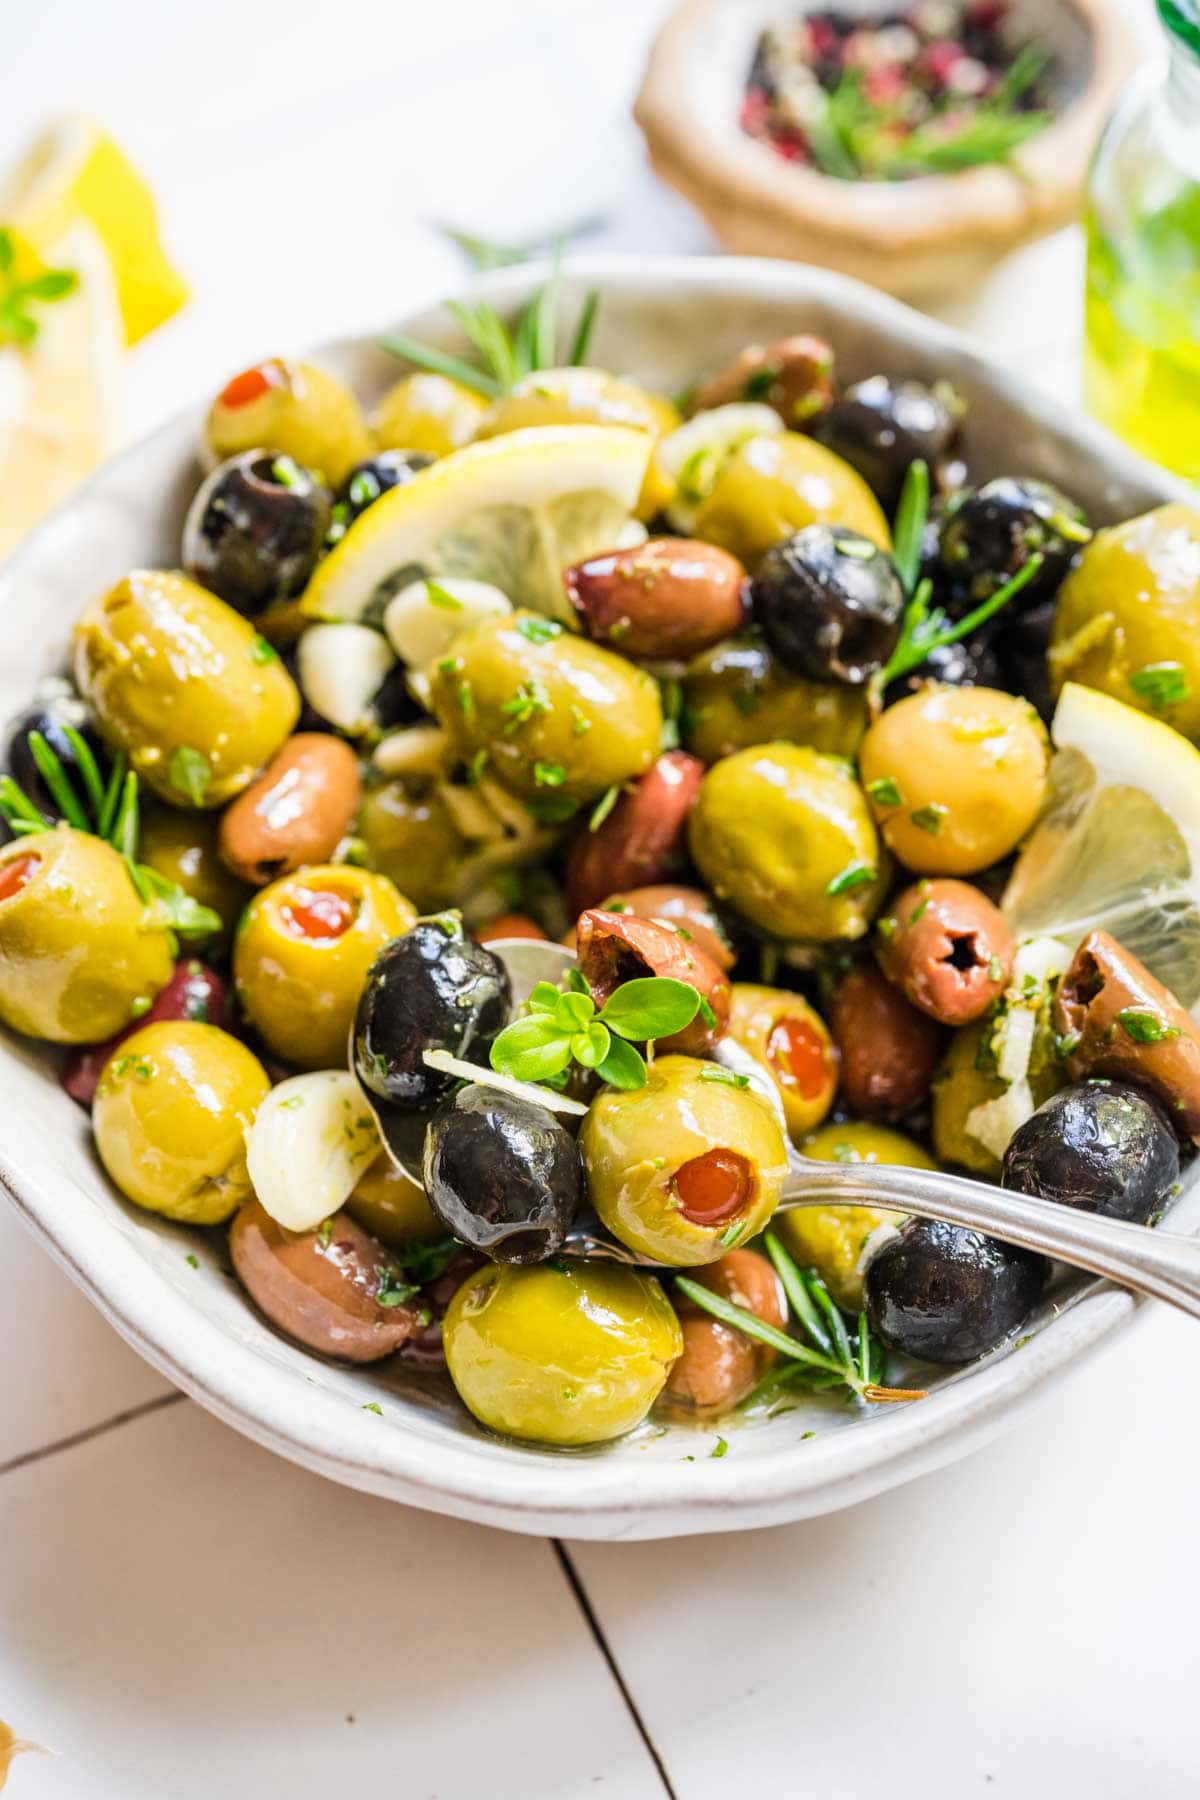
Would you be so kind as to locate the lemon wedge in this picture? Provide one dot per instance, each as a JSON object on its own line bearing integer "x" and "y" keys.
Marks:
{"x": 1119, "y": 844}
{"x": 513, "y": 510}
{"x": 60, "y": 395}
{"x": 74, "y": 172}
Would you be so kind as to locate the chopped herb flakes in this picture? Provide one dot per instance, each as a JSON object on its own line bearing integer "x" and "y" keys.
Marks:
{"x": 885, "y": 792}
{"x": 1162, "y": 684}
{"x": 1146, "y": 1027}
{"x": 539, "y": 631}
{"x": 929, "y": 818}
{"x": 855, "y": 874}
{"x": 190, "y": 774}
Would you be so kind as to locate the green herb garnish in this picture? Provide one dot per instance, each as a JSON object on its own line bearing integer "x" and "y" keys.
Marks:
{"x": 885, "y": 792}
{"x": 438, "y": 596}
{"x": 712, "y": 1072}
{"x": 929, "y": 818}
{"x": 560, "y": 1028}
{"x": 1163, "y": 684}
{"x": 603, "y": 807}
{"x": 1146, "y": 1027}
{"x": 539, "y": 631}
{"x": 19, "y": 300}
{"x": 855, "y": 874}
{"x": 190, "y": 774}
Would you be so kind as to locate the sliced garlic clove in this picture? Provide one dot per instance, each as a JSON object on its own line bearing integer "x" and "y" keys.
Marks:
{"x": 416, "y": 750}
{"x": 312, "y": 1138}
{"x": 341, "y": 669}
{"x": 425, "y": 617}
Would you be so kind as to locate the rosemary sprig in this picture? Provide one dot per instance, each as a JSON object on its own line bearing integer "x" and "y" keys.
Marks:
{"x": 487, "y": 254}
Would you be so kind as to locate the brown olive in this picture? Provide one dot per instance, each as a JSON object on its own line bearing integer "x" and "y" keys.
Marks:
{"x": 335, "y": 1289}
{"x": 793, "y": 375}
{"x": 948, "y": 948}
{"x": 297, "y": 811}
{"x": 666, "y": 597}
{"x": 641, "y": 838}
{"x": 687, "y": 911}
{"x": 618, "y": 947}
{"x": 720, "y": 1364}
{"x": 1115, "y": 1019}
{"x": 888, "y": 1049}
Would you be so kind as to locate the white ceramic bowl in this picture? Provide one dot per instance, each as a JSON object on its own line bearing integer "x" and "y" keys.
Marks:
{"x": 666, "y": 321}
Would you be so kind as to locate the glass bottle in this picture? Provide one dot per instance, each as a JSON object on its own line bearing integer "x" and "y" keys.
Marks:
{"x": 1143, "y": 260}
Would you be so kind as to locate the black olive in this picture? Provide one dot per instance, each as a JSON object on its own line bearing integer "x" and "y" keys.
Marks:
{"x": 989, "y": 534}
{"x": 392, "y": 704}
{"x": 434, "y": 988}
{"x": 830, "y": 603}
{"x": 1021, "y": 644}
{"x": 367, "y": 481}
{"x": 504, "y": 1175}
{"x": 255, "y": 529}
{"x": 971, "y": 662}
{"x": 944, "y": 1294}
{"x": 880, "y": 426}
{"x": 1102, "y": 1146}
{"x": 58, "y": 709}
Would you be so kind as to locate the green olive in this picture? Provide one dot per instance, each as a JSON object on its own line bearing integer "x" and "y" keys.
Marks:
{"x": 685, "y": 1167}
{"x": 555, "y": 715}
{"x": 182, "y": 846}
{"x": 429, "y": 413}
{"x": 1128, "y": 616}
{"x": 966, "y": 1079}
{"x": 393, "y": 1208}
{"x": 957, "y": 776}
{"x": 568, "y": 1354}
{"x": 411, "y": 838}
{"x": 784, "y": 834}
{"x": 774, "y": 485}
{"x": 171, "y": 1113}
{"x": 830, "y": 1239}
{"x": 790, "y": 1040}
{"x": 295, "y": 409}
{"x": 302, "y": 954}
{"x": 184, "y": 685}
{"x": 81, "y": 954}
{"x": 738, "y": 694}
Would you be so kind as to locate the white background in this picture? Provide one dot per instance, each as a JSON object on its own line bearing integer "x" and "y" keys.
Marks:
{"x": 181, "y": 1615}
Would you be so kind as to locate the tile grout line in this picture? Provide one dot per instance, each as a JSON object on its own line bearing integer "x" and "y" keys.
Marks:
{"x": 602, "y": 1644}
{"x": 89, "y": 1432}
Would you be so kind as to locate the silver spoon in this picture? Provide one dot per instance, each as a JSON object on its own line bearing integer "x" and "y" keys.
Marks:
{"x": 1164, "y": 1264}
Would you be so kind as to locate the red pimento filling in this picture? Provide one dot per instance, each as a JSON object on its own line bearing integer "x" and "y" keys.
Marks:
{"x": 17, "y": 874}
{"x": 318, "y": 913}
{"x": 798, "y": 1057}
{"x": 251, "y": 385}
{"x": 713, "y": 1187}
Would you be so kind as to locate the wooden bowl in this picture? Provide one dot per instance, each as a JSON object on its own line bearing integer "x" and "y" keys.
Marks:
{"x": 914, "y": 238}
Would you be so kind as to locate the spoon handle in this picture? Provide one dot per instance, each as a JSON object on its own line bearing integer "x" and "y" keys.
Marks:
{"x": 1161, "y": 1263}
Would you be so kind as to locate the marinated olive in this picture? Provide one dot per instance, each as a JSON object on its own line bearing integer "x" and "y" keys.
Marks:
{"x": 687, "y": 911}
{"x": 554, "y": 714}
{"x": 367, "y": 481}
{"x": 335, "y": 1289}
{"x": 784, "y": 834}
{"x": 509, "y": 925}
{"x": 956, "y": 777}
{"x": 948, "y": 948}
{"x": 880, "y": 426}
{"x": 297, "y": 811}
{"x": 433, "y": 989}
{"x": 981, "y": 1092}
{"x": 193, "y": 992}
{"x": 1128, "y": 618}
{"x": 740, "y": 694}
{"x": 776, "y": 484}
{"x": 887, "y": 1050}
{"x": 429, "y": 413}
{"x": 255, "y": 529}
{"x": 171, "y": 1115}
{"x": 294, "y": 409}
{"x": 830, "y": 603}
{"x": 720, "y": 1365}
{"x": 180, "y": 682}
{"x": 410, "y": 836}
{"x": 183, "y": 848}
{"x": 989, "y": 534}
{"x": 668, "y": 597}
{"x": 1020, "y": 647}
{"x": 835, "y": 1240}
{"x": 391, "y": 1206}
{"x": 302, "y": 955}
{"x": 81, "y": 953}
{"x": 945, "y": 1294}
{"x": 793, "y": 376}
{"x": 642, "y": 838}
{"x": 685, "y": 1167}
{"x": 618, "y": 947}
{"x": 783, "y": 1033}
{"x": 1102, "y": 1146}
{"x": 568, "y": 1354}
{"x": 502, "y": 1174}
{"x": 1116, "y": 1019}
{"x": 969, "y": 662}
{"x": 59, "y": 709}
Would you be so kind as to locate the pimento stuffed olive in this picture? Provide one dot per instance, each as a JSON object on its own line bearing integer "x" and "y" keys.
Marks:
{"x": 295, "y": 409}
{"x": 791, "y": 1041}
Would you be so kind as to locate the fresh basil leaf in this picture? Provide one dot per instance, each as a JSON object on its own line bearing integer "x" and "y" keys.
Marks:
{"x": 622, "y": 1067}
{"x": 653, "y": 1006}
